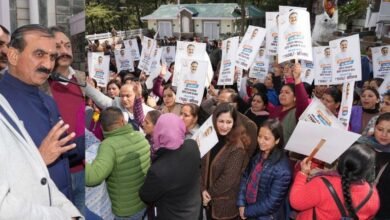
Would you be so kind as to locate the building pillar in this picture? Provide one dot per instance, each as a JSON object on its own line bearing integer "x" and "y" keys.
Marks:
{"x": 5, "y": 17}
{"x": 34, "y": 11}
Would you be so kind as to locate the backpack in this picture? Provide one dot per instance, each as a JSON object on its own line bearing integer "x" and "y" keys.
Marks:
{"x": 344, "y": 213}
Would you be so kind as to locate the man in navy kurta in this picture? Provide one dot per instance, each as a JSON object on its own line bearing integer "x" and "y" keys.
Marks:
{"x": 31, "y": 57}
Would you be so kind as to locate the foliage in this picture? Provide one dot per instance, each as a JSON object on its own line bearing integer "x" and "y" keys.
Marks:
{"x": 351, "y": 10}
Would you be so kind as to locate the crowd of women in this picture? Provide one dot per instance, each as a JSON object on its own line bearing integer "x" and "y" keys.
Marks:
{"x": 248, "y": 174}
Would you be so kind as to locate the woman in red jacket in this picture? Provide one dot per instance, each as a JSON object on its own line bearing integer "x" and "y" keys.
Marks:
{"x": 352, "y": 183}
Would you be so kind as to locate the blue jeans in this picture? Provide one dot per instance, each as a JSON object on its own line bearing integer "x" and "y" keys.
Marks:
{"x": 137, "y": 216}
{"x": 78, "y": 190}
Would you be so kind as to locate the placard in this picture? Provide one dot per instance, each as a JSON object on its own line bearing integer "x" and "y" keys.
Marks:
{"x": 294, "y": 36}
{"x": 191, "y": 85}
{"x": 259, "y": 69}
{"x": 346, "y": 103}
{"x": 322, "y": 65}
{"x": 337, "y": 141}
{"x": 123, "y": 60}
{"x": 272, "y": 26}
{"x": 229, "y": 50}
{"x": 133, "y": 46}
{"x": 206, "y": 136}
{"x": 346, "y": 60}
{"x": 249, "y": 46}
{"x": 381, "y": 61}
{"x": 100, "y": 69}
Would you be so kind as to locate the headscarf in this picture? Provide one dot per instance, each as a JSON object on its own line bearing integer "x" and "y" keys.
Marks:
{"x": 168, "y": 132}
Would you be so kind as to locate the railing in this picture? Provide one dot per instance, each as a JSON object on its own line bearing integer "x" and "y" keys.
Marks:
{"x": 122, "y": 34}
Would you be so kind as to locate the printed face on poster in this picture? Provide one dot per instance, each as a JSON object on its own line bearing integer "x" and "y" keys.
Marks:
{"x": 249, "y": 46}
{"x": 322, "y": 65}
{"x": 259, "y": 69}
{"x": 294, "y": 36}
{"x": 346, "y": 103}
{"x": 100, "y": 69}
{"x": 337, "y": 141}
{"x": 307, "y": 74}
{"x": 133, "y": 46}
{"x": 185, "y": 51}
{"x": 191, "y": 85}
{"x": 148, "y": 49}
{"x": 272, "y": 27}
{"x": 168, "y": 55}
{"x": 346, "y": 60}
{"x": 229, "y": 49}
{"x": 381, "y": 61}
{"x": 206, "y": 137}
{"x": 123, "y": 60}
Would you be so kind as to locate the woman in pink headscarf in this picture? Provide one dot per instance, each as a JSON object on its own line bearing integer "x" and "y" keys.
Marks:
{"x": 173, "y": 180}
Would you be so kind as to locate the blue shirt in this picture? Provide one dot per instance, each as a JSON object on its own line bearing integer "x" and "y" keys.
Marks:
{"x": 39, "y": 114}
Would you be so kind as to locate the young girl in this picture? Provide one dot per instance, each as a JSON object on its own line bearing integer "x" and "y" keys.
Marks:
{"x": 265, "y": 183}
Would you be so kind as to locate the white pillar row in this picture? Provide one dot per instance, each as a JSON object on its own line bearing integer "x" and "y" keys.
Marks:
{"x": 34, "y": 11}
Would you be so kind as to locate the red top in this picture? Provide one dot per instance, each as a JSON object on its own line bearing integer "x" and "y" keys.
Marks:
{"x": 305, "y": 196}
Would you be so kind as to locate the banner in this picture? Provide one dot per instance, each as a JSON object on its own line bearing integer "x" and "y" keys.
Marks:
{"x": 259, "y": 69}
{"x": 249, "y": 46}
{"x": 307, "y": 74}
{"x": 190, "y": 87}
{"x": 100, "y": 69}
{"x": 346, "y": 60}
{"x": 294, "y": 41}
{"x": 272, "y": 26}
{"x": 168, "y": 55}
{"x": 123, "y": 60}
{"x": 229, "y": 50}
{"x": 381, "y": 61}
{"x": 322, "y": 66}
{"x": 346, "y": 103}
{"x": 206, "y": 137}
{"x": 133, "y": 46}
{"x": 184, "y": 52}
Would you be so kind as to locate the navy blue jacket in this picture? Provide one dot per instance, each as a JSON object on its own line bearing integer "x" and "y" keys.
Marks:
{"x": 39, "y": 114}
{"x": 274, "y": 184}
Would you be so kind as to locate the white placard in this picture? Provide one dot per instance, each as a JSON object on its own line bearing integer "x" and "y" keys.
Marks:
{"x": 185, "y": 51}
{"x": 123, "y": 60}
{"x": 148, "y": 49}
{"x": 259, "y": 68}
{"x": 322, "y": 65}
{"x": 381, "y": 61}
{"x": 249, "y": 46}
{"x": 385, "y": 86}
{"x": 337, "y": 141}
{"x": 271, "y": 25}
{"x": 318, "y": 113}
{"x": 206, "y": 136}
{"x": 229, "y": 50}
{"x": 191, "y": 85}
{"x": 155, "y": 65}
{"x": 294, "y": 36}
{"x": 100, "y": 69}
{"x": 346, "y": 103}
{"x": 133, "y": 46}
{"x": 168, "y": 55}
{"x": 346, "y": 60}
{"x": 307, "y": 74}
